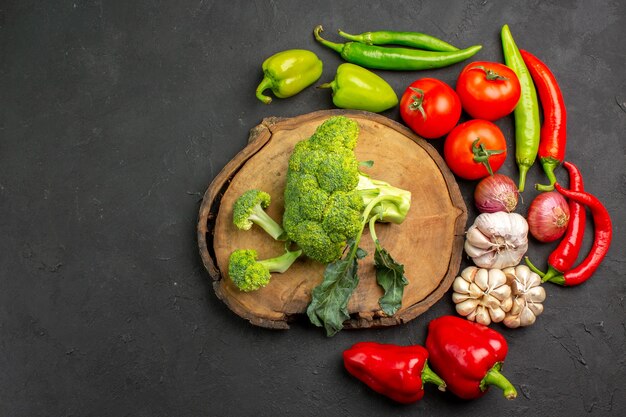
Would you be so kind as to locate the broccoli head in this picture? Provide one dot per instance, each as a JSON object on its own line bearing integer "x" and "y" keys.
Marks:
{"x": 322, "y": 207}
{"x": 249, "y": 209}
{"x": 326, "y": 195}
{"x": 250, "y": 274}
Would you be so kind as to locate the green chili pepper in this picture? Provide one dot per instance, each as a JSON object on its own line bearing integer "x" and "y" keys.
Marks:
{"x": 355, "y": 87}
{"x": 400, "y": 59}
{"x": 412, "y": 39}
{"x": 289, "y": 72}
{"x": 526, "y": 113}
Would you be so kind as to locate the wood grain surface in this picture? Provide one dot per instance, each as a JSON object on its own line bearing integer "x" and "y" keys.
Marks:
{"x": 428, "y": 243}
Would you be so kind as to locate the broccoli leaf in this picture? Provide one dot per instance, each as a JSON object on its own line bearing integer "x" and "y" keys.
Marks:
{"x": 390, "y": 276}
{"x": 329, "y": 305}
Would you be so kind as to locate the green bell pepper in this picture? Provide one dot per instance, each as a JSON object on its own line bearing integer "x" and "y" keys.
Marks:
{"x": 288, "y": 72}
{"x": 354, "y": 87}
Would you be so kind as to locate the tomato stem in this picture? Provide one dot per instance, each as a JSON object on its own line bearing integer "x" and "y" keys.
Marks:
{"x": 418, "y": 99}
{"x": 482, "y": 154}
{"x": 491, "y": 75}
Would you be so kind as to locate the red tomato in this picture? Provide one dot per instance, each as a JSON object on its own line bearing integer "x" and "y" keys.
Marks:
{"x": 474, "y": 146}
{"x": 488, "y": 90}
{"x": 430, "y": 107}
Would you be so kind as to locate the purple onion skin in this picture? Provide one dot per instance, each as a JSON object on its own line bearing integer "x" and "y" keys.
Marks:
{"x": 548, "y": 215}
{"x": 496, "y": 192}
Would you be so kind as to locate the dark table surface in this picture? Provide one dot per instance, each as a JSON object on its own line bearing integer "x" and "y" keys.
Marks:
{"x": 116, "y": 116}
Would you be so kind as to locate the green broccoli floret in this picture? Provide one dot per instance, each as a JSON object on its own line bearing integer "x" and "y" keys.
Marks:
{"x": 249, "y": 209}
{"x": 326, "y": 194}
{"x": 250, "y": 274}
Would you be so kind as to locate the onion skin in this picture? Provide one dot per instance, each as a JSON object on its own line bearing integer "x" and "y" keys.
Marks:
{"x": 548, "y": 216}
{"x": 496, "y": 192}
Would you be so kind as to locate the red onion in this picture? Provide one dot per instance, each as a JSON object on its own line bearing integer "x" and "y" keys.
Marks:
{"x": 548, "y": 216}
{"x": 496, "y": 192}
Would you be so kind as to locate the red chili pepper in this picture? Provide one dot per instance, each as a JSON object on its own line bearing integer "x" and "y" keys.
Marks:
{"x": 399, "y": 372}
{"x": 553, "y": 131}
{"x": 602, "y": 236}
{"x": 468, "y": 356}
{"x": 564, "y": 256}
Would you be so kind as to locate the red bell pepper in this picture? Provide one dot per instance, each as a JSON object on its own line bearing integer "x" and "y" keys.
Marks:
{"x": 468, "y": 356}
{"x": 399, "y": 372}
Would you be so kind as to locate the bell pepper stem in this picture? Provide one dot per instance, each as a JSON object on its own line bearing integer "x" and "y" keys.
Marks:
{"x": 265, "y": 83}
{"x": 549, "y": 165}
{"x": 494, "y": 377}
{"x": 337, "y": 47}
{"x": 328, "y": 85}
{"x": 430, "y": 377}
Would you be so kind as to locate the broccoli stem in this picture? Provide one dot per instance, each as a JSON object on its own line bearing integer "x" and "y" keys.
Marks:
{"x": 263, "y": 220}
{"x": 281, "y": 263}
{"x": 399, "y": 200}
{"x": 372, "y": 223}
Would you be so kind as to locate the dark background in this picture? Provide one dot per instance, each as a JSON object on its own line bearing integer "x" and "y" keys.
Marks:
{"x": 116, "y": 116}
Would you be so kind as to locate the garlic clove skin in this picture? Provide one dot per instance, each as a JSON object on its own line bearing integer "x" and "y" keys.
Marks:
{"x": 460, "y": 285}
{"x": 497, "y": 240}
{"x": 478, "y": 239}
{"x": 497, "y": 314}
{"x": 536, "y": 308}
{"x": 536, "y": 295}
{"x": 507, "y": 304}
{"x": 527, "y": 294}
{"x": 482, "y": 316}
{"x": 481, "y": 279}
{"x": 458, "y": 298}
{"x": 512, "y": 322}
{"x": 467, "y": 307}
{"x": 527, "y": 317}
{"x": 501, "y": 292}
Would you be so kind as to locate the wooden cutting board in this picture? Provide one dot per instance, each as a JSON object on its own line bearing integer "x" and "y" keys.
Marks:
{"x": 429, "y": 243}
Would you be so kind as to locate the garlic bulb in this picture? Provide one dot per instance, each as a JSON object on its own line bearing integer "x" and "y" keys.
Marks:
{"x": 497, "y": 240}
{"x": 482, "y": 295}
{"x": 528, "y": 296}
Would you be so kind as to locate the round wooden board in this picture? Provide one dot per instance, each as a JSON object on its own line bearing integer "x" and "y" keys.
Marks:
{"x": 429, "y": 243}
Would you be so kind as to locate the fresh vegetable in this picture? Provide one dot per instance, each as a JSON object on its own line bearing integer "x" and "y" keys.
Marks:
{"x": 355, "y": 87}
{"x": 328, "y": 202}
{"x": 602, "y": 236}
{"x": 526, "y": 113}
{"x": 553, "y": 134}
{"x": 250, "y": 274}
{"x": 249, "y": 209}
{"x": 548, "y": 216}
{"x": 562, "y": 259}
{"x": 475, "y": 149}
{"x": 288, "y": 72}
{"x": 482, "y": 295}
{"x": 326, "y": 194}
{"x": 496, "y": 192}
{"x": 430, "y": 107}
{"x": 468, "y": 356}
{"x": 398, "y": 372}
{"x": 528, "y": 296}
{"x": 389, "y": 275}
{"x": 411, "y": 39}
{"x": 488, "y": 90}
{"x": 399, "y": 59}
{"x": 497, "y": 240}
